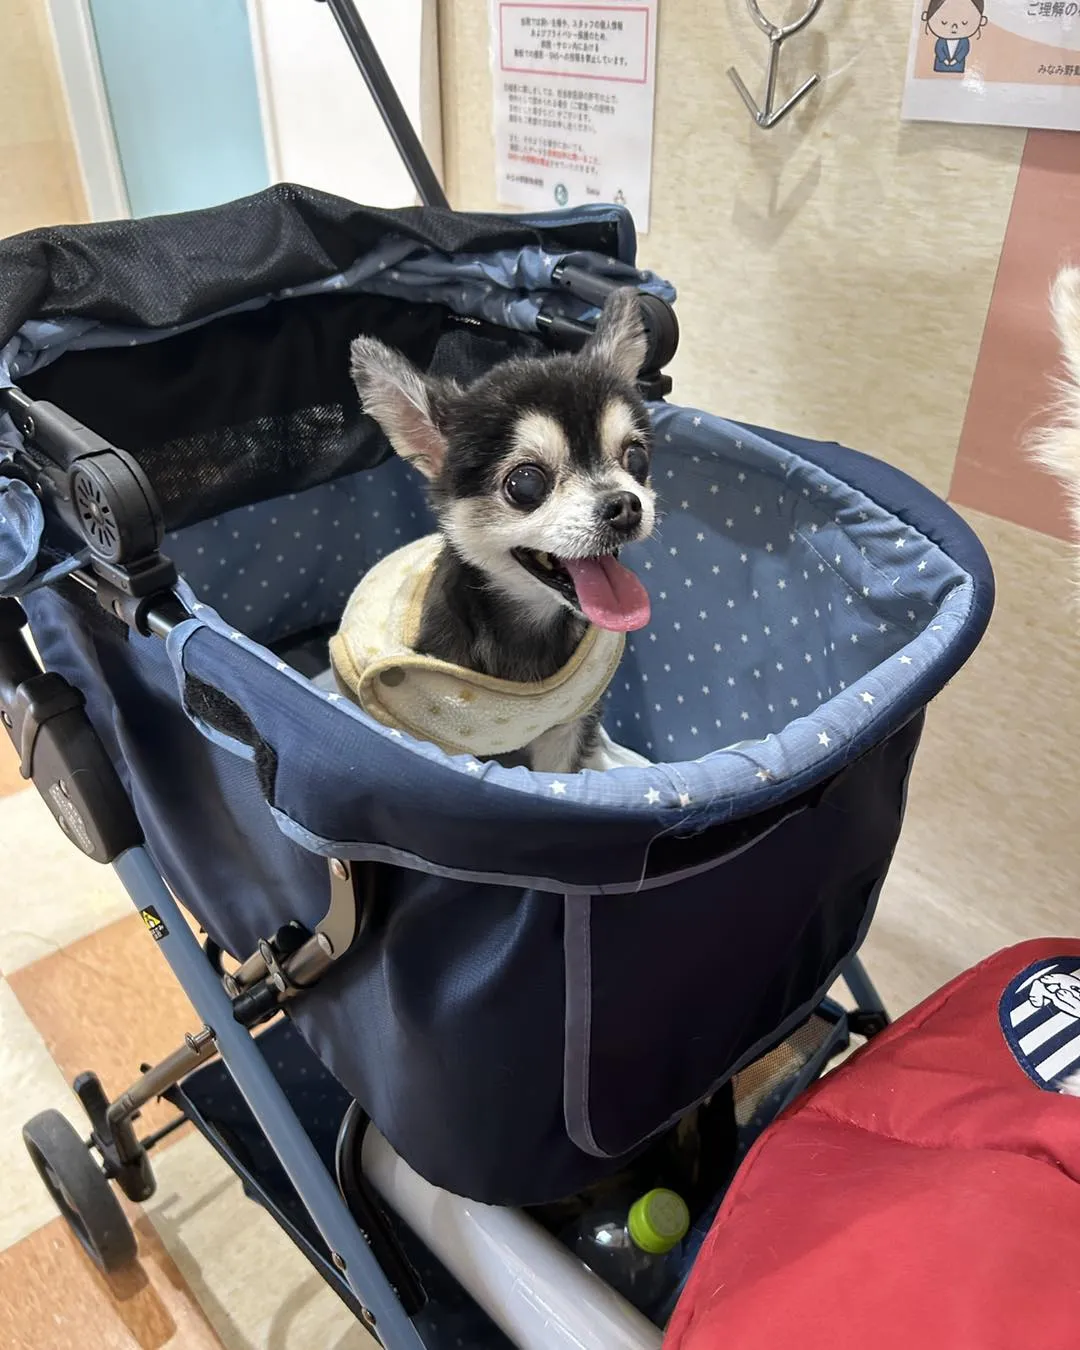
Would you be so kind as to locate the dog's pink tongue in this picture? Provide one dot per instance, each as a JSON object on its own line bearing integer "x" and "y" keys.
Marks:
{"x": 609, "y": 594}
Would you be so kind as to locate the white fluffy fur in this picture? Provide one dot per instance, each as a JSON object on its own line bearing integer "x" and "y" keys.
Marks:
{"x": 1057, "y": 447}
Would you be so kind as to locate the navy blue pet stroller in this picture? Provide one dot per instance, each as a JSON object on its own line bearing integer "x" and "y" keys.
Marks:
{"x": 496, "y": 985}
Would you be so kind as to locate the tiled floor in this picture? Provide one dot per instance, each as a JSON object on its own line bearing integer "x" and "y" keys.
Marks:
{"x": 54, "y": 1299}
{"x": 82, "y": 986}
{"x": 109, "y": 1002}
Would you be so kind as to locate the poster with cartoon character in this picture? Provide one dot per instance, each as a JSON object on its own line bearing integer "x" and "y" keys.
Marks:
{"x": 999, "y": 62}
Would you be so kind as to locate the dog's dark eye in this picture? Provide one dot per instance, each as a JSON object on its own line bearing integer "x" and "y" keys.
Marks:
{"x": 527, "y": 485}
{"x": 636, "y": 461}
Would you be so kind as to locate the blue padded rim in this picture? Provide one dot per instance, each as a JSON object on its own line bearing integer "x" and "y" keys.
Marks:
{"x": 912, "y": 502}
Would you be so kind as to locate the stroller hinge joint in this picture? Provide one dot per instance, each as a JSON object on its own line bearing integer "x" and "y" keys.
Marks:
{"x": 294, "y": 959}
{"x": 131, "y": 592}
{"x": 104, "y": 498}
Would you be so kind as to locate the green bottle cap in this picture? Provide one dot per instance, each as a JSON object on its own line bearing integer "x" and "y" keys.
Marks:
{"x": 658, "y": 1221}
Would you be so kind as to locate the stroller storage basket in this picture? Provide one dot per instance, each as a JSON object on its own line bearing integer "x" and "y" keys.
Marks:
{"x": 552, "y": 969}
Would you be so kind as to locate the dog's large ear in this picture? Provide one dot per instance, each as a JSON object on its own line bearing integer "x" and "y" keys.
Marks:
{"x": 404, "y": 402}
{"x": 620, "y": 335}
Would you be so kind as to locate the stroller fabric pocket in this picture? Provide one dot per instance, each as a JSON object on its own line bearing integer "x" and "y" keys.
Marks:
{"x": 721, "y": 963}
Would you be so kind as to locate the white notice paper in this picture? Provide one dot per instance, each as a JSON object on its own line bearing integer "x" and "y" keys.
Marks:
{"x": 574, "y": 88}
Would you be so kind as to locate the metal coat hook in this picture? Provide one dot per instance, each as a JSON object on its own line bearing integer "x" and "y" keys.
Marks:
{"x": 766, "y": 117}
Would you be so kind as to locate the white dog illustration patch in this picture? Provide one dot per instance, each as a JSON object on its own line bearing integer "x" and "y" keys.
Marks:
{"x": 1040, "y": 1019}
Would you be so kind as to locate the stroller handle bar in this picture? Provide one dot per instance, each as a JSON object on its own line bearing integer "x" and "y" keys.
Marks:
{"x": 381, "y": 87}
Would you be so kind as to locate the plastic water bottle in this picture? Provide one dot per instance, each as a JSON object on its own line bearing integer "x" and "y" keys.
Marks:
{"x": 635, "y": 1250}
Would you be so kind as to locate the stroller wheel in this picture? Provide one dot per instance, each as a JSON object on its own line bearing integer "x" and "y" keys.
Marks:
{"x": 81, "y": 1190}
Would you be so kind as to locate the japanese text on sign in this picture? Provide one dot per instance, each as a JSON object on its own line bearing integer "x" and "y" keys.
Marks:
{"x": 574, "y": 91}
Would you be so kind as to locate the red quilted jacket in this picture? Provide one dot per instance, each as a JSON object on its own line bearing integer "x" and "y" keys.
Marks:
{"x": 924, "y": 1195}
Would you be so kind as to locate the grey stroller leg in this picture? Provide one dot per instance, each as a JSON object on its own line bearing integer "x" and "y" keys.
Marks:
{"x": 869, "y": 1016}
{"x": 269, "y": 1105}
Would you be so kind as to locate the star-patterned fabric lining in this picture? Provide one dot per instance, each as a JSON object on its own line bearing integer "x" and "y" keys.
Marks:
{"x": 788, "y": 609}
{"x": 774, "y": 589}
{"x": 290, "y": 564}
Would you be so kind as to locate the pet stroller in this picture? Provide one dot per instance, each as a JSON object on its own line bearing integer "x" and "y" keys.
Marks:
{"x": 497, "y": 985}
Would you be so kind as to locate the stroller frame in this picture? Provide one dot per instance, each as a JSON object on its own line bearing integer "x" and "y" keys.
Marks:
{"x": 60, "y": 751}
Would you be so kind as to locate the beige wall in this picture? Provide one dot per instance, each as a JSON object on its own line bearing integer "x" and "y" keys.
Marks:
{"x": 39, "y": 177}
{"x": 834, "y": 279}
{"x": 835, "y": 272}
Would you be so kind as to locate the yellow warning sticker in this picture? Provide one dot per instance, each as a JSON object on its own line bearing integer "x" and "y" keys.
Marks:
{"x": 154, "y": 922}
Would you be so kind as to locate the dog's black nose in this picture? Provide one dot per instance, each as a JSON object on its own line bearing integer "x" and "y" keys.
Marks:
{"x": 622, "y": 510}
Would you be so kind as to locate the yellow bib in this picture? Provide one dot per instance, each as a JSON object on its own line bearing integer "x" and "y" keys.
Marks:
{"x": 459, "y": 710}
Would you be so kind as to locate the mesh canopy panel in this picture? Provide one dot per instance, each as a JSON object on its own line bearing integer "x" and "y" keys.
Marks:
{"x": 259, "y": 403}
